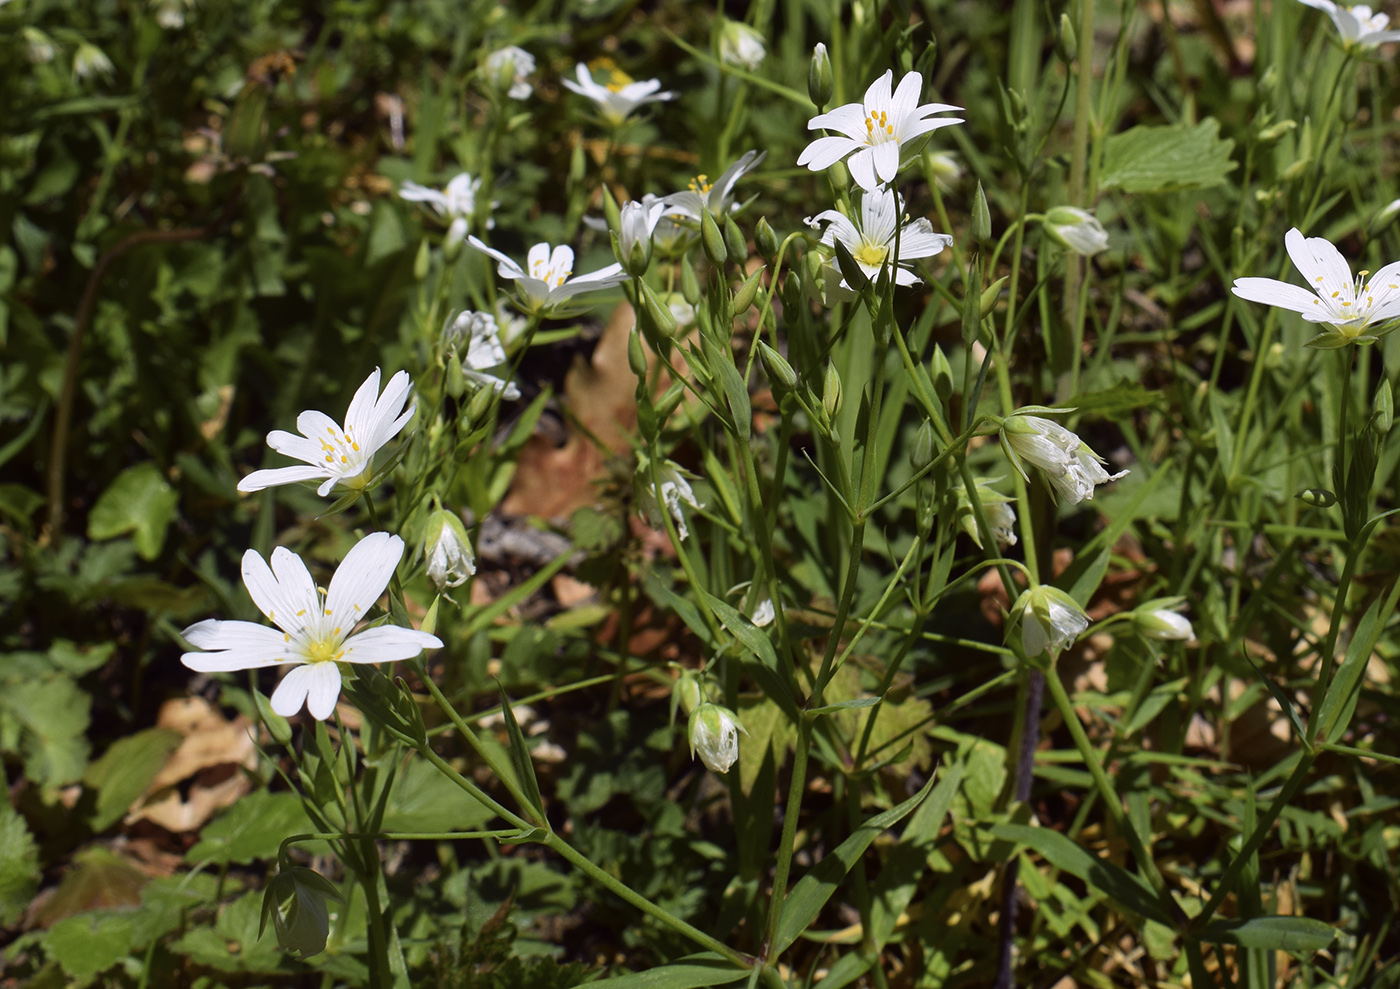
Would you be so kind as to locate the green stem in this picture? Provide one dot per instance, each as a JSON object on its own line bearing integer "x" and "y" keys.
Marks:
{"x": 789, "y": 837}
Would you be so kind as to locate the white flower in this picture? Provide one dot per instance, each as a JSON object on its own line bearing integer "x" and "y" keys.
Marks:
{"x": 170, "y": 14}
{"x": 546, "y": 283}
{"x": 1076, "y": 229}
{"x": 316, "y": 633}
{"x": 1161, "y": 619}
{"x": 456, "y": 203}
{"x": 334, "y": 454}
{"x": 511, "y": 66}
{"x": 1350, "y": 307}
{"x": 1050, "y": 619}
{"x": 637, "y": 223}
{"x": 945, "y": 168}
{"x": 620, "y": 96}
{"x": 1358, "y": 27}
{"x": 741, "y": 46}
{"x": 872, "y": 244}
{"x": 1071, "y": 467}
{"x": 449, "y": 552}
{"x": 764, "y": 613}
{"x": 714, "y": 736}
{"x": 89, "y": 61}
{"x": 38, "y": 45}
{"x": 674, "y": 490}
{"x": 995, "y": 506}
{"x": 876, "y": 130}
{"x": 296, "y": 898}
{"x": 716, "y": 197}
{"x": 478, "y": 331}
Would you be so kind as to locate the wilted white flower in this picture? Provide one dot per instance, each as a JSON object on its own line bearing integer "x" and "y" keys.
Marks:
{"x": 1358, "y": 27}
{"x": 741, "y": 46}
{"x": 511, "y": 67}
{"x": 546, "y": 283}
{"x": 876, "y": 130}
{"x": 455, "y": 203}
{"x": 714, "y": 736}
{"x": 1050, "y": 619}
{"x": 637, "y": 222}
{"x": 619, "y": 96}
{"x": 945, "y": 168}
{"x": 334, "y": 454}
{"x": 997, "y": 508}
{"x": 1356, "y": 310}
{"x": 1077, "y": 229}
{"x": 675, "y": 488}
{"x": 1161, "y": 619}
{"x": 296, "y": 899}
{"x": 872, "y": 244}
{"x": 89, "y": 61}
{"x": 316, "y": 633}
{"x": 447, "y": 550}
{"x": 717, "y": 197}
{"x": 1067, "y": 462}
{"x": 764, "y": 613}
{"x": 478, "y": 332}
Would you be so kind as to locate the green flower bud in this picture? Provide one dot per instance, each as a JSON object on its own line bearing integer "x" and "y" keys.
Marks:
{"x": 990, "y": 295}
{"x": 456, "y": 381}
{"x": 636, "y": 355}
{"x": 981, "y": 217}
{"x": 1276, "y": 131}
{"x": 780, "y": 373}
{"x": 296, "y": 899}
{"x": 1066, "y": 42}
{"x": 1075, "y": 228}
{"x": 765, "y": 240}
{"x": 1318, "y": 497}
{"x": 942, "y": 373}
{"x": 840, "y": 177}
{"x": 611, "y": 212}
{"x": 659, "y": 318}
{"x": 687, "y": 693}
{"x": 1384, "y": 217}
{"x": 480, "y": 405}
{"x": 714, "y": 737}
{"x": 690, "y": 285}
{"x": 791, "y": 292}
{"x": 831, "y": 392}
{"x": 447, "y": 550}
{"x": 744, "y": 295}
{"x": 422, "y": 261}
{"x": 738, "y": 248}
{"x": 1384, "y": 415}
{"x": 1051, "y": 620}
{"x": 1160, "y": 619}
{"x": 712, "y": 240}
{"x": 669, "y": 401}
{"x": 819, "y": 77}
{"x": 921, "y": 454}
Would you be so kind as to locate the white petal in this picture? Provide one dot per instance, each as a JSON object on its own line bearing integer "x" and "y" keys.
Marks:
{"x": 316, "y": 684}
{"x": 297, "y": 588}
{"x": 506, "y": 267}
{"x": 272, "y": 477}
{"x": 235, "y": 645}
{"x": 362, "y": 405}
{"x": 1272, "y": 292}
{"x": 877, "y": 96}
{"x": 278, "y": 602}
{"x": 1033, "y": 640}
{"x": 361, "y": 577}
{"x": 1321, "y": 264}
{"x": 298, "y": 447}
{"x": 862, "y": 166}
{"x": 849, "y": 119}
{"x": 886, "y": 160}
{"x": 906, "y": 97}
{"x": 825, "y": 152}
{"x": 388, "y": 643}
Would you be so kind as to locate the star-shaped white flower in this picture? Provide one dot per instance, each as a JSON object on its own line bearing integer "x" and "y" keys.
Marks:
{"x": 876, "y": 130}
{"x": 618, "y": 98}
{"x": 872, "y": 244}
{"x": 455, "y": 203}
{"x": 514, "y": 65}
{"x": 484, "y": 350}
{"x": 335, "y": 454}
{"x": 1072, "y": 468}
{"x": 1358, "y": 27}
{"x": 1355, "y": 309}
{"x": 547, "y": 281}
{"x": 717, "y": 197}
{"x": 316, "y": 633}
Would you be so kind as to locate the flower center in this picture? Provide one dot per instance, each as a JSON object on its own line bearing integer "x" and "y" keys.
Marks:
{"x": 341, "y": 450}
{"x": 548, "y": 273}
{"x": 324, "y": 649}
{"x": 871, "y": 254}
{"x": 878, "y": 128}
{"x": 700, "y": 185}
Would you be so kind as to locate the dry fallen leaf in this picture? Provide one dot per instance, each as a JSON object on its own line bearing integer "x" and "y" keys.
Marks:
{"x": 213, "y": 754}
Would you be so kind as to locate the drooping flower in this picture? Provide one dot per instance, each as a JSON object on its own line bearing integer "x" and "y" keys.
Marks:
{"x": 1050, "y": 619}
{"x": 995, "y": 506}
{"x": 637, "y": 222}
{"x": 714, "y": 736}
{"x": 1356, "y": 311}
{"x": 763, "y": 613}
{"x": 741, "y": 46}
{"x": 37, "y": 45}
{"x": 479, "y": 333}
{"x": 317, "y": 633}
{"x": 1076, "y": 229}
{"x": 872, "y": 244}
{"x": 675, "y": 488}
{"x": 547, "y": 283}
{"x": 296, "y": 899}
{"x": 456, "y": 203}
{"x": 1358, "y": 27}
{"x": 510, "y": 68}
{"x": 619, "y": 96}
{"x": 1162, "y": 619}
{"x": 448, "y": 550}
{"x": 875, "y": 131}
{"x": 1072, "y": 468}
{"x": 335, "y": 454}
{"x": 717, "y": 197}
{"x": 89, "y": 61}
{"x": 945, "y": 168}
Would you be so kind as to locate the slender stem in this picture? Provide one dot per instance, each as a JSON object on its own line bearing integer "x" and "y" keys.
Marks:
{"x": 789, "y": 836}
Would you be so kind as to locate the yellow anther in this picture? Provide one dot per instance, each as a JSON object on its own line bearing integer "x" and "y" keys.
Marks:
{"x": 337, "y": 630}
{"x": 328, "y": 459}
{"x": 1346, "y": 303}
{"x": 1318, "y": 278}
{"x": 1335, "y": 294}
{"x": 354, "y": 446}
{"x": 344, "y": 460}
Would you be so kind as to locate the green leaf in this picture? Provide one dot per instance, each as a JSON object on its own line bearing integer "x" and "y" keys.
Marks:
{"x": 251, "y": 829}
{"x": 139, "y": 501}
{"x": 1116, "y": 402}
{"x": 857, "y": 704}
{"x": 520, "y": 756}
{"x": 53, "y": 714}
{"x": 736, "y": 392}
{"x": 90, "y": 943}
{"x": 847, "y": 969}
{"x": 1165, "y": 159}
{"x": 1060, "y": 851}
{"x": 769, "y": 673}
{"x": 1348, "y": 676}
{"x": 231, "y": 944}
{"x": 690, "y": 972}
{"x": 125, "y": 770}
{"x": 900, "y": 875}
{"x": 812, "y": 891}
{"x": 1302, "y": 934}
{"x": 19, "y": 865}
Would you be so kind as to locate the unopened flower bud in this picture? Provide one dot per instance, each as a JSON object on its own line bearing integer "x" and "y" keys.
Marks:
{"x": 1075, "y": 228}
{"x": 765, "y": 240}
{"x": 942, "y": 373}
{"x": 1066, "y": 43}
{"x": 744, "y": 294}
{"x": 1384, "y": 415}
{"x": 981, "y": 217}
{"x": 690, "y": 285}
{"x": 296, "y": 899}
{"x": 831, "y": 392}
{"x": 714, "y": 737}
{"x": 990, "y": 295}
{"x": 780, "y": 373}
{"x": 713, "y": 240}
{"x": 1318, "y": 497}
{"x": 687, "y": 692}
{"x": 456, "y": 382}
{"x": 447, "y": 550}
{"x": 1384, "y": 217}
{"x": 1050, "y": 620}
{"x": 819, "y": 77}
{"x": 741, "y": 46}
{"x": 480, "y": 405}
{"x": 422, "y": 261}
{"x": 738, "y": 248}
{"x": 659, "y": 317}
{"x": 636, "y": 356}
{"x": 1276, "y": 131}
{"x": 1160, "y": 619}
{"x": 921, "y": 454}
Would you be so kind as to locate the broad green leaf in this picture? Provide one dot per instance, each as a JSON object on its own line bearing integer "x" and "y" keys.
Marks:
{"x": 53, "y": 714}
{"x": 1302, "y": 934}
{"x": 232, "y": 943}
{"x": 766, "y": 729}
{"x": 690, "y": 972}
{"x": 1340, "y": 692}
{"x": 140, "y": 502}
{"x": 1165, "y": 159}
{"x": 807, "y": 898}
{"x": 89, "y": 943}
{"x": 251, "y": 829}
{"x": 19, "y": 865}
{"x": 1123, "y": 886}
{"x": 125, "y": 770}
